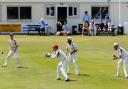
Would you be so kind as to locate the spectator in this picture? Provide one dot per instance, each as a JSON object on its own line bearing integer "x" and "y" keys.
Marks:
{"x": 86, "y": 17}
{"x": 85, "y": 28}
{"x": 101, "y": 26}
{"x": 42, "y": 27}
{"x": 92, "y": 28}
{"x": 107, "y": 19}
{"x": 65, "y": 28}
{"x": 109, "y": 26}
{"x": 59, "y": 26}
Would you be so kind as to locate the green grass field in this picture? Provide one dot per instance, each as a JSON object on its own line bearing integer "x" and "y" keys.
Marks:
{"x": 94, "y": 60}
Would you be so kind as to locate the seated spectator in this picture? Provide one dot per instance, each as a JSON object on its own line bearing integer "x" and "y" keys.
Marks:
{"x": 92, "y": 28}
{"x": 109, "y": 26}
{"x": 85, "y": 28}
{"x": 59, "y": 26}
{"x": 101, "y": 26}
{"x": 66, "y": 30}
{"x": 42, "y": 27}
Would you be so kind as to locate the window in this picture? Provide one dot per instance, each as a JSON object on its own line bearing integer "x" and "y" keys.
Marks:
{"x": 19, "y": 13}
{"x": 70, "y": 11}
{"x": 50, "y": 11}
{"x": 73, "y": 10}
{"x": 12, "y": 13}
{"x": 0, "y": 13}
{"x": 25, "y": 13}
{"x": 99, "y": 12}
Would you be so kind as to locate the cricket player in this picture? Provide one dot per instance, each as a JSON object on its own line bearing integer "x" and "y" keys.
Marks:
{"x": 123, "y": 59}
{"x": 58, "y": 53}
{"x": 13, "y": 50}
{"x": 71, "y": 51}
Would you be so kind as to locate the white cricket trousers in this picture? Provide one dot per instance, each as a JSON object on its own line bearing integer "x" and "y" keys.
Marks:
{"x": 74, "y": 58}
{"x": 10, "y": 54}
{"x": 62, "y": 68}
{"x": 124, "y": 63}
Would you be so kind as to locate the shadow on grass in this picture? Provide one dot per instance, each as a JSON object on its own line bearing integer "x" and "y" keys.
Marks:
{"x": 83, "y": 75}
{"x": 121, "y": 77}
{"x": 23, "y": 67}
{"x": 71, "y": 80}
{"x": 80, "y": 74}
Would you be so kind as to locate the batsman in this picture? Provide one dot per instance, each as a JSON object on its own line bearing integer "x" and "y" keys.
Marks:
{"x": 58, "y": 53}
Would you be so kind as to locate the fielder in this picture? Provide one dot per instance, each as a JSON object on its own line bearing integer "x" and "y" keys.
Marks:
{"x": 13, "y": 50}
{"x": 62, "y": 64}
{"x": 71, "y": 51}
{"x": 123, "y": 59}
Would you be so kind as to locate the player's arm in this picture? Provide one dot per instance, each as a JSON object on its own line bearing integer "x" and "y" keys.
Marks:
{"x": 119, "y": 53}
{"x": 16, "y": 46}
{"x": 53, "y": 55}
{"x": 75, "y": 49}
{"x": 66, "y": 49}
{"x": 117, "y": 57}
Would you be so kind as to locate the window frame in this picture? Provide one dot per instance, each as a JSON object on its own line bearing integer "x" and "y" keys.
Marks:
{"x": 100, "y": 6}
{"x": 73, "y": 7}
{"x": 45, "y": 10}
{"x": 1, "y": 13}
{"x": 19, "y": 14}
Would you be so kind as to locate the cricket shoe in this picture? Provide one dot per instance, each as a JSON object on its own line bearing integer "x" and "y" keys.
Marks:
{"x": 67, "y": 80}
{"x": 4, "y": 66}
{"x": 68, "y": 73}
{"x": 19, "y": 67}
{"x": 116, "y": 75}
{"x": 77, "y": 74}
{"x": 58, "y": 78}
{"x": 126, "y": 76}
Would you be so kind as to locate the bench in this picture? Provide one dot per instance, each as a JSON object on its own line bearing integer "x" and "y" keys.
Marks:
{"x": 106, "y": 32}
{"x": 30, "y": 28}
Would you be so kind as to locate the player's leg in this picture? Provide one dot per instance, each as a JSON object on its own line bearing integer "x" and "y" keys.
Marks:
{"x": 125, "y": 69}
{"x": 119, "y": 63}
{"x": 17, "y": 59}
{"x": 69, "y": 63}
{"x": 63, "y": 70}
{"x": 7, "y": 58}
{"x": 58, "y": 71}
{"x": 75, "y": 64}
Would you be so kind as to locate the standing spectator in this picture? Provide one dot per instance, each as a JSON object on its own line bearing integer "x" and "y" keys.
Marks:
{"x": 107, "y": 19}
{"x": 42, "y": 27}
{"x": 86, "y": 17}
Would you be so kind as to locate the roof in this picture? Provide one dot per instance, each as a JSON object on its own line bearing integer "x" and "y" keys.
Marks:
{"x": 63, "y": 0}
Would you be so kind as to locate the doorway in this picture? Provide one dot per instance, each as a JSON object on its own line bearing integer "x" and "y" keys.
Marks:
{"x": 62, "y": 14}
